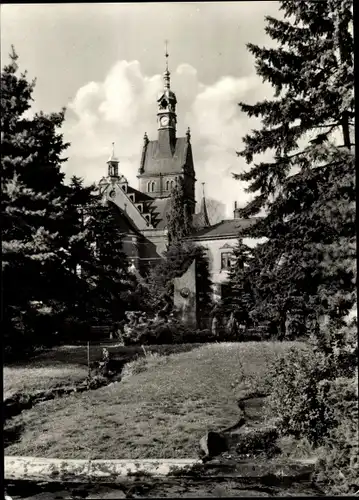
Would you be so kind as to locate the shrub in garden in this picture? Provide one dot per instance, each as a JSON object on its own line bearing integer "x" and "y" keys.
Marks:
{"x": 338, "y": 465}
{"x": 296, "y": 398}
{"x": 314, "y": 395}
{"x": 143, "y": 331}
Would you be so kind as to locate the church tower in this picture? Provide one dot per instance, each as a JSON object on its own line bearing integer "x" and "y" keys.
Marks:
{"x": 166, "y": 114}
{"x": 169, "y": 157}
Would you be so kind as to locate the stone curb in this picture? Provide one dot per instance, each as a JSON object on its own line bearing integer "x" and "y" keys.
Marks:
{"x": 50, "y": 469}
{"x": 17, "y": 468}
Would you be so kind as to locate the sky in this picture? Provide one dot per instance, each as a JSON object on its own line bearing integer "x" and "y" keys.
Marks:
{"x": 104, "y": 63}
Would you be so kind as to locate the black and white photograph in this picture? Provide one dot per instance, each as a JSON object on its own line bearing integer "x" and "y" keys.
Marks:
{"x": 179, "y": 264}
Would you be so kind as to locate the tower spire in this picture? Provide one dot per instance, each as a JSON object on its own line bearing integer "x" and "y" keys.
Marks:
{"x": 166, "y": 75}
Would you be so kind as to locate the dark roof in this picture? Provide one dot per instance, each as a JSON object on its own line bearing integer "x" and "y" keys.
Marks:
{"x": 225, "y": 228}
{"x": 159, "y": 162}
{"x": 124, "y": 223}
{"x": 139, "y": 196}
{"x": 159, "y": 209}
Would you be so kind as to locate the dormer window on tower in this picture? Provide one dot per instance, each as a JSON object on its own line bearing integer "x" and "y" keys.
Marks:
{"x": 163, "y": 104}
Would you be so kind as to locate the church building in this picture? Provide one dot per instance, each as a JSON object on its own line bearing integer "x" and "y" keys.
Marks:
{"x": 142, "y": 212}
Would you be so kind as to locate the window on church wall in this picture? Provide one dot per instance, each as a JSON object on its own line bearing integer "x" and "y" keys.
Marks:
{"x": 172, "y": 184}
{"x": 167, "y": 185}
{"x": 153, "y": 186}
{"x": 226, "y": 260}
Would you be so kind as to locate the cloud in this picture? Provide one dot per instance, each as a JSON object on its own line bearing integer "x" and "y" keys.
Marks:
{"x": 123, "y": 106}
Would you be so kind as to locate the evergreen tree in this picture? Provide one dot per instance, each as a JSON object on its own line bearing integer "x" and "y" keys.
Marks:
{"x": 240, "y": 297}
{"x": 308, "y": 189}
{"x": 179, "y": 221}
{"x": 307, "y": 266}
{"x": 111, "y": 284}
{"x": 33, "y": 197}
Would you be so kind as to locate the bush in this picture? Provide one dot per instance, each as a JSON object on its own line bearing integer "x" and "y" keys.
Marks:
{"x": 297, "y": 398}
{"x": 159, "y": 331}
{"x": 314, "y": 396}
{"x": 338, "y": 466}
{"x": 258, "y": 442}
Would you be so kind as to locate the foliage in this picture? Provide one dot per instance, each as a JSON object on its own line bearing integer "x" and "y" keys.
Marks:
{"x": 179, "y": 221}
{"x": 240, "y": 297}
{"x": 110, "y": 282}
{"x": 52, "y": 271}
{"x": 300, "y": 391}
{"x": 307, "y": 190}
{"x": 338, "y": 466}
{"x": 159, "y": 331}
{"x": 296, "y": 399}
{"x": 305, "y": 186}
{"x": 36, "y": 279}
{"x": 177, "y": 259}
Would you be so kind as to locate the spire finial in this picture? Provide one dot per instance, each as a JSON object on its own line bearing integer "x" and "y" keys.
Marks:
{"x": 113, "y": 158}
{"x": 203, "y": 184}
{"x": 166, "y": 75}
{"x": 166, "y": 54}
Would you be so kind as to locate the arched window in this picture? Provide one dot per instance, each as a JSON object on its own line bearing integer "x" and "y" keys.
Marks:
{"x": 172, "y": 184}
{"x": 152, "y": 186}
{"x": 167, "y": 185}
{"x": 148, "y": 186}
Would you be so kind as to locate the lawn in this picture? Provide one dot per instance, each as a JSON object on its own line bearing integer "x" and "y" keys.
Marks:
{"x": 30, "y": 378}
{"x": 77, "y": 354}
{"x": 161, "y": 412}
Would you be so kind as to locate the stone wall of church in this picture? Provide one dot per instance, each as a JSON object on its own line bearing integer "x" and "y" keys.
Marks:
{"x": 157, "y": 242}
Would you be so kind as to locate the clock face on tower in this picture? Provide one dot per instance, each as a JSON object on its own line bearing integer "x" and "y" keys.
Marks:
{"x": 164, "y": 121}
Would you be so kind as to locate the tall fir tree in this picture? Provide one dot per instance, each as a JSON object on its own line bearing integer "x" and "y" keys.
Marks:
{"x": 306, "y": 271}
{"x": 31, "y": 206}
{"x": 308, "y": 189}
{"x": 240, "y": 299}
{"x": 111, "y": 283}
{"x": 38, "y": 233}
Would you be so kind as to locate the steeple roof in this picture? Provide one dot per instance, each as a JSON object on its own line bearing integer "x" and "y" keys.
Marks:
{"x": 113, "y": 158}
{"x": 158, "y": 160}
{"x": 201, "y": 219}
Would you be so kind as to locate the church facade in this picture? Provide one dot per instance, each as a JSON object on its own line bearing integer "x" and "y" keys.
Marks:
{"x": 142, "y": 212}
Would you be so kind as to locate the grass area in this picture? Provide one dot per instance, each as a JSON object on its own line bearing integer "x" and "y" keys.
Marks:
{"x": 77, "y": 354}
{"x": 37, "y": 377}
{"x": 160, "y": 411}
